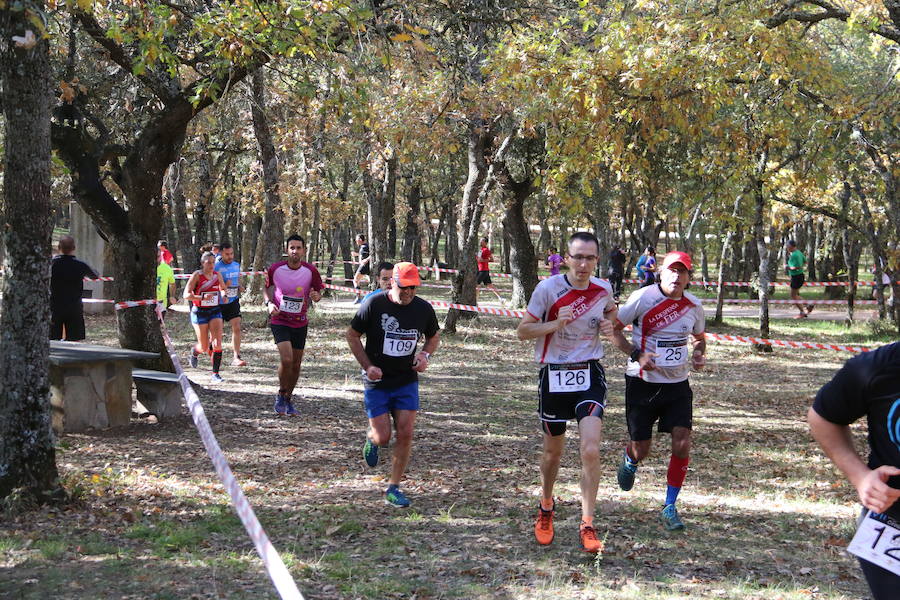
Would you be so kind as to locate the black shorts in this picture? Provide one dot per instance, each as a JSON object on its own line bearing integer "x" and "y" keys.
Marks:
{"x": 232, "y": 310}
{"x": 797, "y": 281}
{"x": 483, "y": 277}
{"x": 362, "y": 269}
{"x": 72, "y": 319}
{"x": 672, "y": 404}
{"x": 556, "y": 408}
{"x": 295, "y": 335}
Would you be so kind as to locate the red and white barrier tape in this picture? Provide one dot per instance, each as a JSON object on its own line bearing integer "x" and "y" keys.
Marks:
{"x": 505, "y": 312}
{"x": 756, "y": 301}
{"x": 99, "y": 279}
{"x": 739, "y": 339}
{"x": 119, "y": 305}
{"x": 282, "y": 579}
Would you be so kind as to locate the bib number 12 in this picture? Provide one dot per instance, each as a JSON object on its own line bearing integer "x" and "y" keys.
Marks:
{"x": 877, "y": 540}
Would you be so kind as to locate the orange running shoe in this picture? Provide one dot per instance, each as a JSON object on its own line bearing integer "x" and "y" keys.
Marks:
{"x": 589, "y": 541}
{"x": 543, "y": 526}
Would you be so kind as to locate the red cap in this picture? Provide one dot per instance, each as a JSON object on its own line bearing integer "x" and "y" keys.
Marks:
{"x": 406, "y": 274}
{"x": 677, "y": 257}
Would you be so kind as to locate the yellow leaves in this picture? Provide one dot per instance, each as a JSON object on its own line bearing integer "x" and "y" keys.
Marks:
{"x": 401, "y": 37}
{"x": 85, "y": 5}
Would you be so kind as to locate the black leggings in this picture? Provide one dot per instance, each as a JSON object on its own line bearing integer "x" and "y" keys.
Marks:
{"x": 883, "y": 583}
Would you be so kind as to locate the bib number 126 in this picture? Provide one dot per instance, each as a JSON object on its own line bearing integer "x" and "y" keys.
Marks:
{"x": 569, "y": 378}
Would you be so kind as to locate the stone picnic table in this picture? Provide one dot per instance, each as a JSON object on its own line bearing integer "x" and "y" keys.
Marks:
{"x": 90, "y": 385}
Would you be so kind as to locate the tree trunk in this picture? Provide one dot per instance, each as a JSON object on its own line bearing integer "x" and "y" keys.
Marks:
{"x": 411, "y": 234}
{"x": 727, "y": 249}
{"x": 522, "y": 260}
{"x": 762, "y": 250}
{"x": 379, "y": 199}
{"x": 184, "y": 244}
{"x": 474, "y": 194}
{"x": 271, "y": 238}
{"x": 27, "y": 456}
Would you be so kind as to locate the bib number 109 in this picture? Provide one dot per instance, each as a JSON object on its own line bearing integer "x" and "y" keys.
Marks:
{"x": 877, "y": 540}
{"x": 399, "y": 344}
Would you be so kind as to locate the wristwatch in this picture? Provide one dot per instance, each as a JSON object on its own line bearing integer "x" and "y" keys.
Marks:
{"x": 427, "y": 355}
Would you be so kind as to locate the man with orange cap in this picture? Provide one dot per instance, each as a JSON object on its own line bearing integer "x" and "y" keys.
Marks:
{"x": 393, "y": 322}
{"x": 663, "y": 317}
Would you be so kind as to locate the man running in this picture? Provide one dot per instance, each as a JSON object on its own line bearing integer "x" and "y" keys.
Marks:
{"x": 230, "y": 270}
{"x": 165, "y": 284}
{"x": 385, "y": 274}
{"x": 484, "y": 258}
{"x": 663, "y": 316}
{"x": 868, "y": 384}
{"x": 566, "y": 315}
{"x": 290, "y": 285}
{"x": 646, "y": 267}
{"x": 67, "y": 275}
{"x": 794, "y": 265}
{"x": 393, "y": 322}
{"x": 363, "y": 269}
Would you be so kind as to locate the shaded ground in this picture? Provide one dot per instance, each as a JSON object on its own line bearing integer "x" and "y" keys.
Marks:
{"x": 767, "y": 515}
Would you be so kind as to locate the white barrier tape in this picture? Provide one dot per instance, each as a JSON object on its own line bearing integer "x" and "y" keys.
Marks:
{"x": 119, "y": 305}
{"x": 279, "y": 574}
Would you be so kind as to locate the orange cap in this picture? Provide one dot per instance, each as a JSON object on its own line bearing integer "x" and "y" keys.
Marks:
{"x": 677, "y": 257}
{"x": 406, "y": 274}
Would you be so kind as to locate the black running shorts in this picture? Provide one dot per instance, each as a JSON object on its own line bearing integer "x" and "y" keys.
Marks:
{"x": 483, "y": 277}
{"x": 295, "y": 335}
{"x": 672, "y": 404}
{"x": 556, "y": 408}
{"x": 232, "y": 310}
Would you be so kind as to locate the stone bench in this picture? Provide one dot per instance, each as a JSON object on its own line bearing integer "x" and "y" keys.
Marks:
{"x": 158, "y": 392}
{"x": 90, "y": 385}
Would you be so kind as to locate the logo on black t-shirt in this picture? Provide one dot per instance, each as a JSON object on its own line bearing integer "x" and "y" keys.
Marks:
{"x": 893, "y": 423}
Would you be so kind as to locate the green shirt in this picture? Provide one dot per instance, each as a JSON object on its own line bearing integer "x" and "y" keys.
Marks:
{"x": 795, "y": 263}
{"x": 165, "y": 276}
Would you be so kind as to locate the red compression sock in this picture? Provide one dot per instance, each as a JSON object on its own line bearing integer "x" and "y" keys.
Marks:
{"x": 677, "y": 471}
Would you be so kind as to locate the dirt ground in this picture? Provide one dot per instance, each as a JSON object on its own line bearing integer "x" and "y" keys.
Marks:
{"x": 767, "y": 516}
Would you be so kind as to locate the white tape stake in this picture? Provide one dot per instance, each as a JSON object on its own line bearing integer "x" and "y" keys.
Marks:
{"x": 282, "y": 579}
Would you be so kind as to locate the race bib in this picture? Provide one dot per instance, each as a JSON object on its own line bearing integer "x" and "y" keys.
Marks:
{"x": 877, "y": 540}
{"x": 208, "y": 299}
{"x": 289, "y": 304}
{"x": 671, "y": 353}
{"x": 400, "y": 343}
{"x": 575, "y": 377}
{"x": 232, "y": 292}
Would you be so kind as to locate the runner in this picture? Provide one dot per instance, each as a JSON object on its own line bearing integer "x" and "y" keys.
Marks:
{"x": 566, "y": 315}
{"x": 656, "y": 378}
{"x": 290, "y": 285}
{"x": 231, "y": 309}
{"x": 204, "y": 290}
{"x": 363, "y": 269}
{"x": 385, "y": 274}
{"x": 393, "y": 322}
{"x": 616, "y": 270}
{"x": 646, "y": 267}
{"x": 794, "y": 266}
{"x": 554, "y": 261}
{"x": 868, "y": 384}
{"x": 67, "y": 275}
{"x": 217, "y": 250}
{"x": 165, "y": 284}
{"x": 163, "y": 247}
{"x": 483, "y": 277}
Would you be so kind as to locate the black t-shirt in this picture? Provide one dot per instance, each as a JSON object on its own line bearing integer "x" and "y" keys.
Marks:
{"x": 869, "y": 384}
{"x": 616, "y": 261}
{"x": 67, "y": 275}
{"x": 363, "y": 252}
{"x": 392, "y": 332}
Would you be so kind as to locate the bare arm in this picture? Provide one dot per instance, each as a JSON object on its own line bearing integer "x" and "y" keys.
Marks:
{"x": 698, "y": 358}
{"x": 837, "y": 442}
{"x": 645, "y": 359}
{"x": 421, "y": 361}
{"x": 530, "y": 328}
{"x": 189, "y": 288}
{"x": 354, "y": 340}
{"x": 269, "y": 295}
